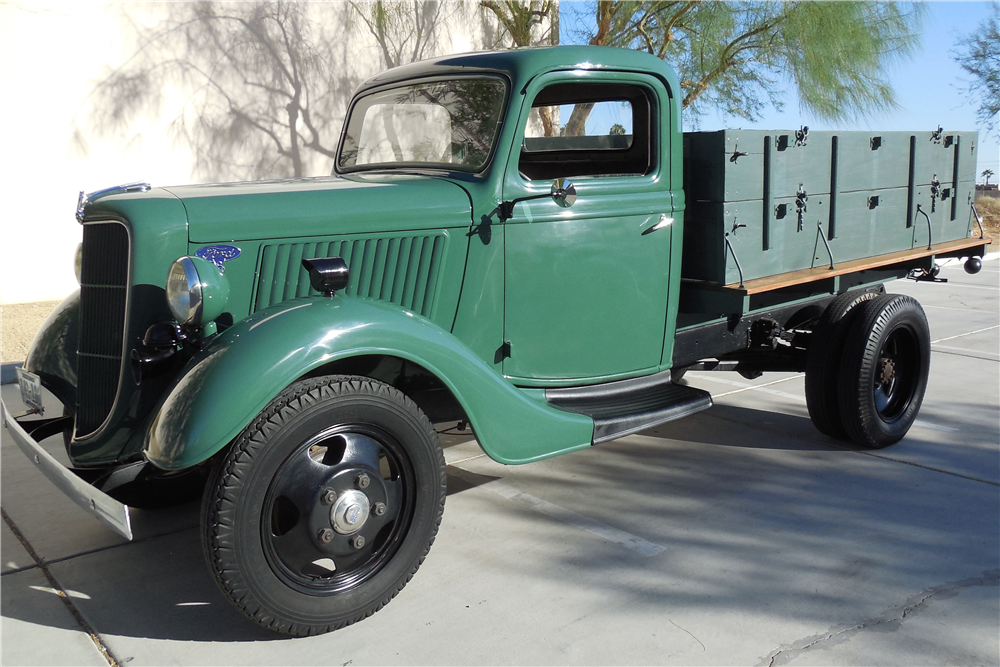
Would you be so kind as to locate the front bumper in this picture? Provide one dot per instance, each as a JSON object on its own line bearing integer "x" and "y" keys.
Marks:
{"x": 113, "y": 513}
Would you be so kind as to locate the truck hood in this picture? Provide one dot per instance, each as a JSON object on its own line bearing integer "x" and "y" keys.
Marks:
{"x": 321, "y": 206}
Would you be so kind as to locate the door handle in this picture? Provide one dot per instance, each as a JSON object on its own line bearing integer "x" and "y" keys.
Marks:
{"x": 664, "y": 221}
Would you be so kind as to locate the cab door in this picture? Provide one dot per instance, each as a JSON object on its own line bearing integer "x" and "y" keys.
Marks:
{"x": 586, "y": 286}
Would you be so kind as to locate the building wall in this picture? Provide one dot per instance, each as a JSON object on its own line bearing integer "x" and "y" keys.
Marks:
{"x": 52, "y": 53}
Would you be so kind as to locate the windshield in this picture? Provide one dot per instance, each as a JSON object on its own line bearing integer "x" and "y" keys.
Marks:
{"x": 448, "y": 124}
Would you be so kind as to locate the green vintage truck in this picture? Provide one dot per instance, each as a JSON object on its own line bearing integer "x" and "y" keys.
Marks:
{"x": 524, "y": 242}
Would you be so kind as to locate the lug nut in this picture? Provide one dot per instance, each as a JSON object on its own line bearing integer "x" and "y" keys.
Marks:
{"x": 325, "y": 535}
{"x": 362, "y": 481}
{"x": 358, "y": 541}
{"x": 379, "y": 509}
{"x": 329, "y": 497}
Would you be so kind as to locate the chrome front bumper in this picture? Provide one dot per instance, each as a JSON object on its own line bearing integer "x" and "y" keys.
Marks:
{"x": 113, "y": 513}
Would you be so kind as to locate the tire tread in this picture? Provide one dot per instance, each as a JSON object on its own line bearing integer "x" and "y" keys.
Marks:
{"x": 861, "y": 421}
{"x": 824, "y": 360}
{"x": 219, "y": 505}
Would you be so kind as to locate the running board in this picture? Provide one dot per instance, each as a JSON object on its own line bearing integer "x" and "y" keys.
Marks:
{"x": 628, "y": 406}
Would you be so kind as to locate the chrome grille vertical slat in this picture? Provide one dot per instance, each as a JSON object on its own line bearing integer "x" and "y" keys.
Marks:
{"x": 104, "y": 284}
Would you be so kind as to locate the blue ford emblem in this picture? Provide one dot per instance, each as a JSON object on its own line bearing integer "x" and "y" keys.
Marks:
{"x": 218, "y": 254}
{"x": 352, "y": 514}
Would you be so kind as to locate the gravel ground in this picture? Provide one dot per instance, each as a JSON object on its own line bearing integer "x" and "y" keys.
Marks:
{"x": 18, "y": 324}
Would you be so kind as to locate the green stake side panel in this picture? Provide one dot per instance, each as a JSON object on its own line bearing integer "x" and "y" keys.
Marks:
{"x": 763, "y": 202}
{"x": 227, "y": 385}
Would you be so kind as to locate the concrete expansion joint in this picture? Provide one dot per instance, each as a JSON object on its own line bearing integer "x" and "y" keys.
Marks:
{"x": 783, "y": 655}
{"x": 61, "y": 592}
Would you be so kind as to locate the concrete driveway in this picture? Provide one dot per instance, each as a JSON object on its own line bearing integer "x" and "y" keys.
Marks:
{"x": 737, "y": 536}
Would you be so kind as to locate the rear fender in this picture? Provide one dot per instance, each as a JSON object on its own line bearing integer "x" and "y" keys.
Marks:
{"x": 225, "y": 386}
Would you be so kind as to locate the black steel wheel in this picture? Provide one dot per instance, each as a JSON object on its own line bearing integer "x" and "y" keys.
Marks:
{"x": 325, "y": 506}
{"x": 886, "y": 362}
{"x": 823, "y": 362}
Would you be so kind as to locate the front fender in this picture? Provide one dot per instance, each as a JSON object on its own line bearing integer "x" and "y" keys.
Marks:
{"x": 224, "y": 387}
{"x": 52, "y": 355}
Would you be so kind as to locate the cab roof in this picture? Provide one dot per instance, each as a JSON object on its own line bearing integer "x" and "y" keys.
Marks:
{"x": 521, "y": 65}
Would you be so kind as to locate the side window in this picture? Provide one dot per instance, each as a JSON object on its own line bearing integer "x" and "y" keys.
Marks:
{"x": 587, "y": 130}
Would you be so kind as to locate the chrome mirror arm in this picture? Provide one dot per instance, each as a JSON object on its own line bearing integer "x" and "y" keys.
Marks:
{"x": 563, "y": 193}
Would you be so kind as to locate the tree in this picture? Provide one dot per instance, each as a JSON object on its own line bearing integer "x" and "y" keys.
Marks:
{"x": 266, "y": 80}
{"x": 406, "y": 31}
{"x": 987, "y": 174}
{"x": 979, "y": 55}
{"x": 737, "y": 56}
{"x": 524, "y": 23}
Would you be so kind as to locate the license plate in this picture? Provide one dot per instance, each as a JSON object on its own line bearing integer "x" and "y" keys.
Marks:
{"x": 31, "y": 390}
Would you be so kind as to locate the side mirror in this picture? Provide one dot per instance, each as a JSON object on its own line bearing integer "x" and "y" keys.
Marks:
{"x": 563, "y": 192}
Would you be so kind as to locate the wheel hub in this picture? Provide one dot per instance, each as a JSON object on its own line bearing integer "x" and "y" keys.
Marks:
{"x": 350, "y": 512}
{"x": 887, "y": 372}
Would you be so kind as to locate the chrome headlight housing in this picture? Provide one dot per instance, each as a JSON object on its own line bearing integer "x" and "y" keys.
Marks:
{"x": 197, "y": 291}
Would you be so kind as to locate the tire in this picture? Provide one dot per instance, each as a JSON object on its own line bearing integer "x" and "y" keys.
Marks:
{"x": 823, "y": 362}
{"x": 886, "y": 361}
{"x": 283, "y": 514}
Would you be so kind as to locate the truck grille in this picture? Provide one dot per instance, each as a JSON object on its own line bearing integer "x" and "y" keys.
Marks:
{"x": 400, "y": 269}
{"x": 103, "y": 297}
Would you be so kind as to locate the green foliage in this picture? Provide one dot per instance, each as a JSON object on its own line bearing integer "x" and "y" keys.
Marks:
{"x": 521, "y": 21}
{"x": 979, "y": 55}
{"x": 738, "y": 56}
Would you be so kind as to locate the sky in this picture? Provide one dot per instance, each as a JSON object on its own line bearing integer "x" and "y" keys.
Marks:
{"x": 928, "y": 87}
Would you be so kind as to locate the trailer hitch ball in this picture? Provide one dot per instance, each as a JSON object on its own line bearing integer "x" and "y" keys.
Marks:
{"x": 973, "y": 265}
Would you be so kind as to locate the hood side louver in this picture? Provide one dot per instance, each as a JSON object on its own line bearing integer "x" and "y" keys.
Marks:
{"x": 401, "y": 269}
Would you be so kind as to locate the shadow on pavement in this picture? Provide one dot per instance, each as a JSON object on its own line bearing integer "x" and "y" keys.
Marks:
{"x": 158, "y": 587}
{"x": 797, "y": 433}
{"x": 761, "y": 520}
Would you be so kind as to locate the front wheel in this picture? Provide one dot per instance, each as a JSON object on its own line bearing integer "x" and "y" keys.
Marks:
{"x": 325, "y": 506}
{"x": 883, "y": 377}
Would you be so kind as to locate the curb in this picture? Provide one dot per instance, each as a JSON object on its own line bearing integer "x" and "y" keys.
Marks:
{"x": 8, "y": 372}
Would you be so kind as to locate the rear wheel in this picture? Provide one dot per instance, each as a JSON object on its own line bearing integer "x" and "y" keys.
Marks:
{"x": 886, "y": 362}
{"x": 325, "y": 506}
{"x": 823, "y": 362}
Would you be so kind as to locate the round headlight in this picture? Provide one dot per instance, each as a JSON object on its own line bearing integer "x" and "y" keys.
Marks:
{"x": 184, "y": 291}
{"x": 197, "y": 291}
